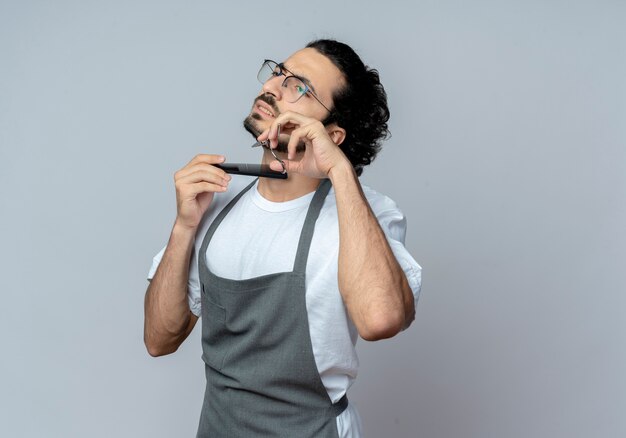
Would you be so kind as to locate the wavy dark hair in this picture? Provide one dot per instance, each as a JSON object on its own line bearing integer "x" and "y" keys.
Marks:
{"x": 360, "y": 107}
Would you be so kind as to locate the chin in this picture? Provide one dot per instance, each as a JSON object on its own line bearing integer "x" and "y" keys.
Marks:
{"x": 251, "y": 124}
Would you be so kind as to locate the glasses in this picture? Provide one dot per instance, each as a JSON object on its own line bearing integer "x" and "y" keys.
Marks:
{"x": 295, "y": 86}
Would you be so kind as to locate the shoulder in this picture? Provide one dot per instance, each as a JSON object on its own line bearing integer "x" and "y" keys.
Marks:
{"x": 379, "y": 202}
{"x": 385, "y": 209}
{"x": 391, "y": 219}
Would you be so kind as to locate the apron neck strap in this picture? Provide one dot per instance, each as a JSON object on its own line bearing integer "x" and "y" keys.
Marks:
{"x": 306, "y": 235}
{"x": 216, "y": 222}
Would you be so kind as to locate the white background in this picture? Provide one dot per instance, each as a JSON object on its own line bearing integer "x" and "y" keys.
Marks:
{"x": 508, "y": 157}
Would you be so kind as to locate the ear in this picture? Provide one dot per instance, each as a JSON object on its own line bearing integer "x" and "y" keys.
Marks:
{"x": 336, "y": 133}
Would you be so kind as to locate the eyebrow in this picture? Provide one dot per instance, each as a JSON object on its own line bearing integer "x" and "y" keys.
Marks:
{"x": 303, "y": 78}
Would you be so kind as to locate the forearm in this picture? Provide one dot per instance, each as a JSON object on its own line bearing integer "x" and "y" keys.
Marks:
{"x": 167, "y": 314}
{"x": 371, "y": 281}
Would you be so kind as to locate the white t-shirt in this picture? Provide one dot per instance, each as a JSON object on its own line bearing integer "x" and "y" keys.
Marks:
{"x": 255, "y": 223}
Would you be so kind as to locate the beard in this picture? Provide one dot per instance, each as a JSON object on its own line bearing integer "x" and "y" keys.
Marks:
{"x": 251, "y": 124}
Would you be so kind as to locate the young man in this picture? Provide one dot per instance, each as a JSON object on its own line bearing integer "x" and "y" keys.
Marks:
{"x": 287, "y": 272}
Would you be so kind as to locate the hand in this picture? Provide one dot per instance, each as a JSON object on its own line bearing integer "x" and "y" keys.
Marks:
{"x": 322, "y": 154}
{"x": 195, "y": 185}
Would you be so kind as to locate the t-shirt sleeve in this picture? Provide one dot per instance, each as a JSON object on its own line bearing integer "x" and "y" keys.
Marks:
{"x": 193, "y": 284}
{"x": 155, "y": 263}
{"x": 393, "y": 223}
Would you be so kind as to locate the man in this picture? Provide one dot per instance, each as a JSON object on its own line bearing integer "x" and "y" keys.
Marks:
{"x": 287, "y": 272}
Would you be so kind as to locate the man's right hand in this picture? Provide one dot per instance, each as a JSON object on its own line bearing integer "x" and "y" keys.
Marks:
{"x": 168, "y": 319}
{"x": 195, "y": 185}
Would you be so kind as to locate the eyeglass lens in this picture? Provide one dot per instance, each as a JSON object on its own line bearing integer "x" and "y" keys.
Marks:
{"x": 294, "y": 87}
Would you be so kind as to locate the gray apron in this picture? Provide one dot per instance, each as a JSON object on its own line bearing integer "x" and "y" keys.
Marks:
{"x": 261, "y": 376}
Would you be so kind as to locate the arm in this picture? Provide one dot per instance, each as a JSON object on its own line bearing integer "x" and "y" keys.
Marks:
{"x": 168, "y": 319}
{"x": 372, "y": 283}
{"x": 373, "y": 286}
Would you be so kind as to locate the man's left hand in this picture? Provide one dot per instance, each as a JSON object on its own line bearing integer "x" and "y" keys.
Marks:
{"x": 322, "y": 154}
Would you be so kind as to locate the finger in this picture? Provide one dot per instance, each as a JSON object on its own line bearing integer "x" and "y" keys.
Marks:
{"x": 288, "y": 121}
{"x": 298, "y": 136}
{"x": 268, "y": 136}
{"x": 207, "y": 158}
{"x": 290, "y": 166}
{"x": 277, "y": 167}
{"x": 274, "y": 137}
{"x": 274, "y": 133}
{"x": 271, "y": 134}
{"x": 263, "y": 135}
{"x": 202, "y": 176}
{"x": 284, "y": 130}
{"x": 189, "y": 169}
{"x": 204, "y": 187}
{"x": 191, "y": 191}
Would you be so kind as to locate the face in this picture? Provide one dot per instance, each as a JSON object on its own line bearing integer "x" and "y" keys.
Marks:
{"x": 323, "y": 78}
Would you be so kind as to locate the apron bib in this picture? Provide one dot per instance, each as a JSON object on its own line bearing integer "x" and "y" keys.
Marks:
{"x": 261, "y": 376}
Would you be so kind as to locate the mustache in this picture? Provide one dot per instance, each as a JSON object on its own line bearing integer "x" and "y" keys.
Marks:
{"x": 250, "y": 125}
{"x": 269, "y": 99}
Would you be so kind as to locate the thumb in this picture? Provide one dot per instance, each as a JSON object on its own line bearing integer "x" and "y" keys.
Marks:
{"x": 290, "y": 166}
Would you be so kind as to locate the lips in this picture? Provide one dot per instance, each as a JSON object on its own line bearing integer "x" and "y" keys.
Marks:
{"x": 264, "y": 109}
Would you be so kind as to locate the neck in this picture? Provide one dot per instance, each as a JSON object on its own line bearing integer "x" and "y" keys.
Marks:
{"x": 282, "y": 190}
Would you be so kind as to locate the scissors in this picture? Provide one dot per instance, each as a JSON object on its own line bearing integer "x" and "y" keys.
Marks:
{"x": 266, "y": 144}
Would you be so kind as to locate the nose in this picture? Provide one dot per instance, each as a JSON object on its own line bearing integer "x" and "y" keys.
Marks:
{"x": 274, "y": 87}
